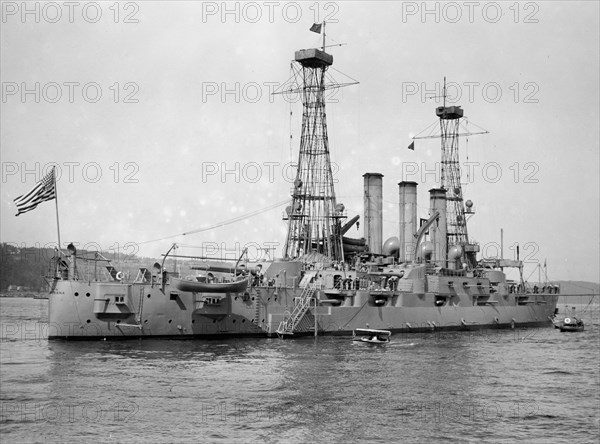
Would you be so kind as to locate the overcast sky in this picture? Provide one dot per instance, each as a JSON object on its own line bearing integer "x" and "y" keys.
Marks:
{"x": 160, "y": 119}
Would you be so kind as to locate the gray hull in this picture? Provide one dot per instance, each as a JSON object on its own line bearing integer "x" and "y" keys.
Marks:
{"x": 82, "y": 310}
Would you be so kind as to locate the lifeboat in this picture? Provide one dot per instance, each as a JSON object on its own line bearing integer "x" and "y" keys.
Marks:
{"x": 351, "y": 241}
{"x": 210, "y": 287}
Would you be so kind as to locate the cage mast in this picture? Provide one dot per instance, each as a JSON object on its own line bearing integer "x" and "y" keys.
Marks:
{"x": 457, "y": 209}
{"x": 314, "y": 216}
{"x": 456, "y": 231}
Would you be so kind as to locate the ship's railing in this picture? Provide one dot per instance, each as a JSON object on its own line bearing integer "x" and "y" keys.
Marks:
{"x": 91, "y": 267}
{"x": 71, "y": 267}
{"x": 540, "y": 289}
{"x": 95, "y": 268}
{"x": 58, "y": 267}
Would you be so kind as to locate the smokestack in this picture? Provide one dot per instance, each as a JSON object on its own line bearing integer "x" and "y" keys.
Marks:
{"x": 373, "y": 207}
{"x": 408, "y": 219}
{"x": 437, "y": 201}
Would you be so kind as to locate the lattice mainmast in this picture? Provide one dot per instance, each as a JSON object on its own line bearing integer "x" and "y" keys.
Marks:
{"x": 455, "y": 210}
{"x": 314, "y": 216}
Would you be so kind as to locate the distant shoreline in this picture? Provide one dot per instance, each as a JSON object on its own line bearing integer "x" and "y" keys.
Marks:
{"x": 24, "y": 294}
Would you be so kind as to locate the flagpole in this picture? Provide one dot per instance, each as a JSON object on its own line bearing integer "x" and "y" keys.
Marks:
{"x": 323, "y": 35}
{"x": 56, "y": 202}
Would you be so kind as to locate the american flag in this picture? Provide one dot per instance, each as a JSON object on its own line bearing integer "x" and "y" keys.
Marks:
{"x": 44, "y": 190}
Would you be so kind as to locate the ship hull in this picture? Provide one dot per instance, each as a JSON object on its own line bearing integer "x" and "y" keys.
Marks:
{"x": 114, "y": 310}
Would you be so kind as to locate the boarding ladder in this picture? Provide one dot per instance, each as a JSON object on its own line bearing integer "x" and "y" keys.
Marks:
{"x": 287, "y": 326}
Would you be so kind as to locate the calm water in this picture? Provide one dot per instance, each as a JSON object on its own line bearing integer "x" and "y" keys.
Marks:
{"x": 491, "y": 386}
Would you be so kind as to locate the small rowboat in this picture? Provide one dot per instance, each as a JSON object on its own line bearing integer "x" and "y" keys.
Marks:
{"x": 371, "y": 336}
{"x": 210, "y": 287}
{"x": 571, "y": 324}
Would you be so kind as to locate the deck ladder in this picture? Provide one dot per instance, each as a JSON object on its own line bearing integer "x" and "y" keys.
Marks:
{"x": 257, "y": 310}
{"x": 287, "y": 326}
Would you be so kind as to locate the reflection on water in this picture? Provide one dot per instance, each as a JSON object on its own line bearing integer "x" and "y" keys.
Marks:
{"x": 532, "y": 385}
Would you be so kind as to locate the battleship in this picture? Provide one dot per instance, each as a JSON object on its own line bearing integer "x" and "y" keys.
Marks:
{"x": 424, "y": 277}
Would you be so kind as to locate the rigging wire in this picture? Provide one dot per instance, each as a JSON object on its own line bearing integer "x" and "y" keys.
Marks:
{"x": 586, "y": 307}
{"x": 291, "y": 115}
{"x": 221, "y": 224}
{"x": 591, "y": 299}
{"x": 467, "y": 152}
{"x": 432, "y": 132}
{"x": 344, "y": 74}
{"x": 533, "y": 271}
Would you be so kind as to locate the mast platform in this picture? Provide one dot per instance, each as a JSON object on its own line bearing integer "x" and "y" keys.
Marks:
{"x": 313, "y": 58}
{"x": 449, "y": 112}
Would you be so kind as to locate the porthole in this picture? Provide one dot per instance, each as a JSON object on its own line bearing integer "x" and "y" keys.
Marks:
{"x": 170, "y": 321}
{"x": 148, "y": 296}
{"x": 76, "y": 294}
{"x": 88, "y": 321}
{"x": 87, "y": 294}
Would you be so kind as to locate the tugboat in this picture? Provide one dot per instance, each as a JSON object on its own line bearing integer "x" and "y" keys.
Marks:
{"x": 570, "y": 323}
{"x": 424, "y": 277}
